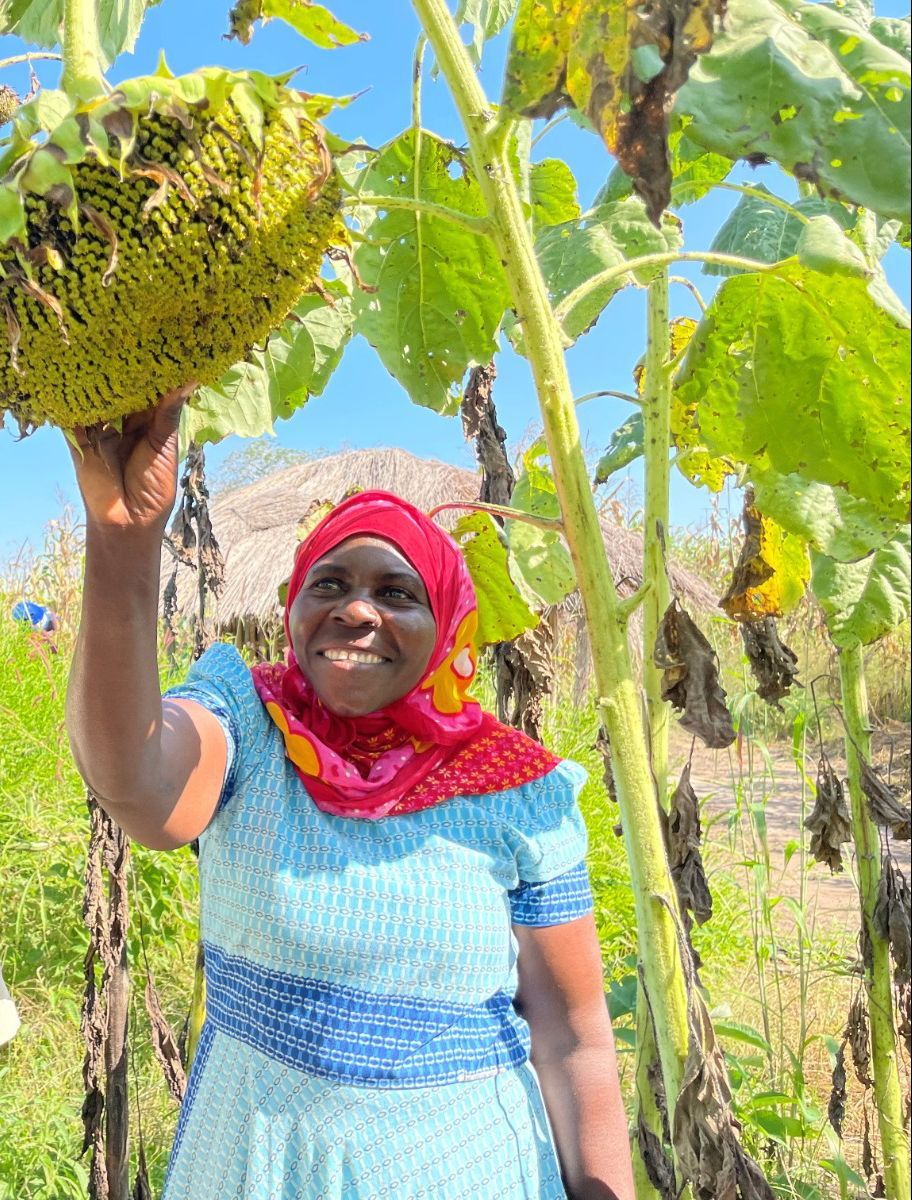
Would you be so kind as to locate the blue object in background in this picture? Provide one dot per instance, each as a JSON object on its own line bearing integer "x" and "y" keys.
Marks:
{"x": 35, "y": 614}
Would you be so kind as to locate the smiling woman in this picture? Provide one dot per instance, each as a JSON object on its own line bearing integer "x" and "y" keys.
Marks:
{"x": 404, "y": 991}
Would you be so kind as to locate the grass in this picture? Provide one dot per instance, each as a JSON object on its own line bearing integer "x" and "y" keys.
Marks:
{"x": 779, "y": 982}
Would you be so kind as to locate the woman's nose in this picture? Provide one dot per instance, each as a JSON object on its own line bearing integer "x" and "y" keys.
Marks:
{"x": 355, "y": 610}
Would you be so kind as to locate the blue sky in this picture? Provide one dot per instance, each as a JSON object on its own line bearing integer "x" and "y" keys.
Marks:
{"x": 363, "y": 406}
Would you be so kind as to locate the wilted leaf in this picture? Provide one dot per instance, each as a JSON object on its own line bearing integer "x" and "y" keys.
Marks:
{"x": 836, "y": 1106}
{"x": 804, "y": 374}
{"x": 690, "y": 679}
{"x": 830, "y": 822}
{"x": 764, "y": 231}
{"x": 856, "y": 1033}
{"x": 829, "y": 519}
{"x": 574, "y": 252}
{"x": 862, "y": 601}
{"x": 808, "y": 87}
{"x": 893, "y": 918}
{"x": 617, "y": 64}
{"x": 540, "y": 556}
{"x": 312, "y": 21}
{"x": 886, "y": 806}
{"x": 625, "y": 447}
{"x": 682, "y": 842}
{"x": 164, "y": 1044}
{"x": 772, "y": 570}
{"x": 440, "y": 290}
{"x": 296, "y": 363}
{"x": 502, "y": 612}
{"x": 774, "y": 665}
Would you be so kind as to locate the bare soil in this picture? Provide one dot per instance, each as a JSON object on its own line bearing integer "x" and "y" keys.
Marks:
{"x": 773, "y": 781}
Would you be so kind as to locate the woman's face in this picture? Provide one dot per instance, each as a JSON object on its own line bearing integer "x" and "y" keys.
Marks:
{"x": 361, "y": 627}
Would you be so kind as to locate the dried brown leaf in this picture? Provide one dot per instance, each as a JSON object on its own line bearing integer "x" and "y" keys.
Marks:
{"x": 830, "y": 822}
{"x": 885, "y": 803}
{"x": 656, "y": 1160}
{"x": 164, "y": 1044}
{"x": 893, "y": 918}
{"x": 774, "y": 665}
{"x": 682, "y": 839}
{"x": 856, "y": 1033}
{"x": 836, "y": 1107}
{"x": 691, "y": 679}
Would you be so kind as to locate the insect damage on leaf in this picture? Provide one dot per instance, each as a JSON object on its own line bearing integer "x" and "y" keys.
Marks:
{"x": 830, "y": 822}
{"x": 774, "y": 665}
{"x": 619, "y": 64}
{"x": 886, "y": 806}
{"x": 893, "y": 918}
{"x": 690, "y": 679}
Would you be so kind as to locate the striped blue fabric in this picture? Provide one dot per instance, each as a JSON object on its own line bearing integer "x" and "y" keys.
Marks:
{"x": 554, "y": 902}
{"x": 361, "y": 1040}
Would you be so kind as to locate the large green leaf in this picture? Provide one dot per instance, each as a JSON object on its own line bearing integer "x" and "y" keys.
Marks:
{"x": 863, "y": 601}
{"x": 486, "y": 18}
{"x": 803, "y": 373}
{"x": 439, "y": 288}
{"x": 38, "y": 22}
{"x": 807, "y": 86}
{"x": 540, "y": 556}
{"x": 502, "y": 612}
{"x": 295, "y": 364}
{"x": 830, "y": 520}
{"x": 606, "y": 237}
{"x": 761, "y": 229}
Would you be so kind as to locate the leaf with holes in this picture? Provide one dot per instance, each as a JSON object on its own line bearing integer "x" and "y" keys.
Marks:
{"x": 804, "y": 374}
{"x": 439, "y": 290}
{"x": 502, "y": 612}
{"x": 810, "y": 88}
{"x": 862, "y": 601}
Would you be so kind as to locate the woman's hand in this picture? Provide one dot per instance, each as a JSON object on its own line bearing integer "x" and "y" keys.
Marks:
{"x": 128, "y": 480}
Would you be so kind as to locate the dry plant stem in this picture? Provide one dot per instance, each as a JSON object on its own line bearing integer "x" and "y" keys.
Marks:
{"x": 894, "y": 1139}
{"x": 117, "y": 1057}
{"x": 619, "y": 699}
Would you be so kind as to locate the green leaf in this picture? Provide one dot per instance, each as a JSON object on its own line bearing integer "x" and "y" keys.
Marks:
{"x": 296, "y": 363}
{"x": 552, "y": 191}
{"x": 625, "y": 447}
{"x": 440, "y": 291}
{"x": 541, "y": 559}
{"x": 739, "y": 1032}
{"x": 779, "y": 1127}
{"x": 486, "y": 18}
{"x": 39, "y": 23}
{"x": 829, "y": 519}
{"x": 804, "y": 374}
{"x": 893, "y": 32}
{"x": 863, "y": 601}
{"x": 502, "y": 612}
{"x": 764, "y": 231}
{"x": 810, "y": 88}
{"x": 823, "y": 247}
{"x": 571, "y": 253}
{"x": 313, "y": 22}
{"x": 694, "y": 170}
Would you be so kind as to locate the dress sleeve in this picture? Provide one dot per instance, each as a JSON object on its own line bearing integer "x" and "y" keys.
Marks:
{"x": 220, "y": 681}
{"x": 549, "y": 844}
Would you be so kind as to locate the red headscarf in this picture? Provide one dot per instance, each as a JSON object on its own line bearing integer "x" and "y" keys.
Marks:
{"x": 434, "y": 742}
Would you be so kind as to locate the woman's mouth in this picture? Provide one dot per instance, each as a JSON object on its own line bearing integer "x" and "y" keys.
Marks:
{"x": 353, "y": 656}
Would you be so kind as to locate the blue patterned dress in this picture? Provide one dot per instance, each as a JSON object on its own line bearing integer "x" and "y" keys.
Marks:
{"x": 360, "y": 1039}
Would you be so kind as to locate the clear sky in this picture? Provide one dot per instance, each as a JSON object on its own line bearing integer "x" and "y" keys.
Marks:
{"x": 363, "y": 406}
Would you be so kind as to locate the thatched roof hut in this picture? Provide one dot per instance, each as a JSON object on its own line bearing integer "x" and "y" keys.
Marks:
{"x": 257, "y": 530}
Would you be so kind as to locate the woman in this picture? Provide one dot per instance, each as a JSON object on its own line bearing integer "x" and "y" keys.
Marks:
{"x": 395, "y": 911}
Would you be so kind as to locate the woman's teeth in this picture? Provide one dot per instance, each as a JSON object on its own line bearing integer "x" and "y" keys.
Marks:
{"x": 359, "y": 656}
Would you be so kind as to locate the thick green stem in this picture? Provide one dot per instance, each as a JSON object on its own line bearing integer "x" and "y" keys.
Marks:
{"x": 82, "y": 78}
{"x": 653, "y": 890}
{"x": 887, "y": 1087}
{"x": 656, "y": 439}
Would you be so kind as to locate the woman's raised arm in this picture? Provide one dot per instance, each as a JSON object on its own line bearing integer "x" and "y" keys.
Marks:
{"x": 155, "y": 767}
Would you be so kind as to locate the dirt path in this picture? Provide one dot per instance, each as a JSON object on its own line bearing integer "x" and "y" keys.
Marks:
{"x": 719, "y": 776}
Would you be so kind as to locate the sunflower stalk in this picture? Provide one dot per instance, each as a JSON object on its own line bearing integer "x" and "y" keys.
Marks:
{"x": 894, "y": 1139}
{"x": 656, "y": 903}
{"x": 82, "y": 78}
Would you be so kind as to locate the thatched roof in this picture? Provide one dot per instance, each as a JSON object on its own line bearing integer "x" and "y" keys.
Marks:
{"x": 257, "y": 527}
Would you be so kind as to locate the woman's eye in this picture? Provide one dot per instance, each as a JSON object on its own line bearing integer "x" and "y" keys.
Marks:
{"x": 325, "y": 585}
{"x": 397, "y": 593}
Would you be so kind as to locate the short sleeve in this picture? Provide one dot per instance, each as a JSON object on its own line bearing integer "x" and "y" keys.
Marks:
{"x": 549, "y": 846}
{"x": 220, "y": 682}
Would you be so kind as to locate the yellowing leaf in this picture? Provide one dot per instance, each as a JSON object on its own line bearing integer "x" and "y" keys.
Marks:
{"x": 618, "y": 63}
{"x": 771, "y": 573}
